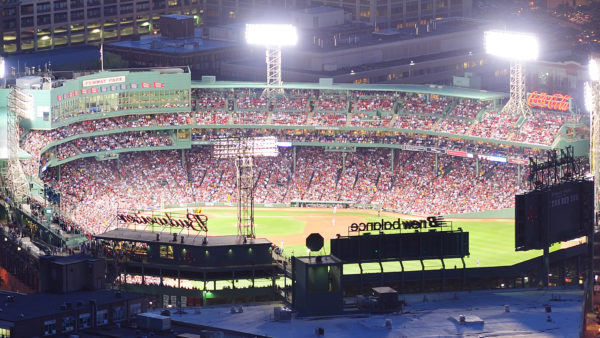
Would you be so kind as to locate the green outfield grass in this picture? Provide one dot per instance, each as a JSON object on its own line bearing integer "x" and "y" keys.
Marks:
{"x": 490, "y": 243}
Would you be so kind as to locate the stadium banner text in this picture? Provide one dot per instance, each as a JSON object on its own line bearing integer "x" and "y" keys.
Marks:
{"x": 556, "y": 101}
{"x": 194, "y": 221}
{"x": 398, "y": 224}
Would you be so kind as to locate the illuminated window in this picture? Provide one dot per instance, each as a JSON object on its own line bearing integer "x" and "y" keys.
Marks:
{"x": 166, "y": 251}
{"x": 68, "y": 324}
{"x": 49, "y": 327}
{"x": 102, "y": 317}
{"x": 4, "y": 333}
{"x": 118, "y": 314}
{"x": 84, "y": 320}
{"x": 135, "y": 309}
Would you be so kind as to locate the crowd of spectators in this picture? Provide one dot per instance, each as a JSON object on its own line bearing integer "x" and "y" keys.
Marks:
{"x": 100, "y": 143}
{"x": 290, "y": 118}
{"x": 370, "y": 120}
{"x": 329, "y": 119}
{"x": 374, "y": 101}
{"x": 332, "y": 102}
{"x": 453, "y": 125}
{"x": 469, "y": 108}
{"x": 250, "y": 117}
{"x": 417, "y": 104}
{"x": 212, "y": 117}
{"x": 414, "y": 121}
{"x": 293, "y": 103}
{"x": 495, "y": 125}
{"x": 208, "y": 99}
{"x": 92, "y": 191}
{"x": 541, "y": 128}
{"x": 299, "y": 107}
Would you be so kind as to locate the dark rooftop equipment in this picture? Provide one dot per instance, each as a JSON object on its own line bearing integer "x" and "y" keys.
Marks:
{"x": 314, "y": 242}
{"x": 176, "y": 26}
{"x": 388, "y": 299}
{"x": 318, "y": 289}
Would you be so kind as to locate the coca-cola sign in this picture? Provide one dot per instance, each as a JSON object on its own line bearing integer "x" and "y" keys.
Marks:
{"x": 544, "y": 100}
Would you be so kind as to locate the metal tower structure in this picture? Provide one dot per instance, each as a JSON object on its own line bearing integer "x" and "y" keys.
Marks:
{"x": 517, "y": 103}
{"x": 592, "y": 103}
{"x": 274, "y": 83}
{"x": 517, "y": 47}
{"x": 595, "y": 152}
{"x": 19, "y": 106}
{"x": 243, "y": 150}
{"x": 273, "y": 37}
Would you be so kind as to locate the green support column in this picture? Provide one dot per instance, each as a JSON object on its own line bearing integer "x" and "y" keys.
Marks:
{"x": 343, "y": 161}
{"x": 183, "y": 158}
{"x": 519, "y": 173}
{"x": 58, "y": 173}
{"x": 476, "y": 165}
{"x": 436, "y": 171}
{"x": 392, "y": 161}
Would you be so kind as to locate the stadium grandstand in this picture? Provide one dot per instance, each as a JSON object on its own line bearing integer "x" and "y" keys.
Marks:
{"x": 141, "y": 139}
{"x": 108, "y": 163}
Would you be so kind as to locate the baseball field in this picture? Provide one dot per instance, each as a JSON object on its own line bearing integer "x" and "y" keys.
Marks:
{"x": 491, "y": 241}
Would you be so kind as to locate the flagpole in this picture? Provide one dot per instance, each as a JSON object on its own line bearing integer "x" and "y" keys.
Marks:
{"x": 101, "y": 55}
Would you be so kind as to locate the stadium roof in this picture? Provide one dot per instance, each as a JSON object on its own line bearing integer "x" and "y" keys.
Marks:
{"x": 193, "y": 239}
{"x": 407, "y": 88}
{"x": 425, "y": 315}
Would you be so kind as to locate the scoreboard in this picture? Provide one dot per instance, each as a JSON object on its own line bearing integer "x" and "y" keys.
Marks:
{"x": 558, "y": 213}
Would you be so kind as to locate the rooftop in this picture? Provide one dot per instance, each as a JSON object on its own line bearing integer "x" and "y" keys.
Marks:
{"x": 316, "y": 10}
{"x": 425, "y": 315}
{"x": 161, "y": 44}
{"x": 177, "y": 16}
{"x": 24, "y": 307}
{"x": 407, "y": 88}
{"x": 194, "y": 239}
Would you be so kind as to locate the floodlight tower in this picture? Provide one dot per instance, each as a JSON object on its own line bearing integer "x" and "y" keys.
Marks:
{"x": 20, "y": 105}
{"x": 592, "y": 105}
{"x": 273, "y": 37}
{"x": 516, "y": 47}
{"x": 243, "y": 150}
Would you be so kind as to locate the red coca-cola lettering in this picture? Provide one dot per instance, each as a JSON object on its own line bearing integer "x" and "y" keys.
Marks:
{"x": 553, "y": 102}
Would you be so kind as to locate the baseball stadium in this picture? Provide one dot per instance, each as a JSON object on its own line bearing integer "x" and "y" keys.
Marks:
{"x": 144, "y": 167}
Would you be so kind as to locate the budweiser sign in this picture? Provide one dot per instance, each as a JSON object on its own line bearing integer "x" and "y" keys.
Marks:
{"x": 552, "y": 102}
{"x": 194, "y": 221}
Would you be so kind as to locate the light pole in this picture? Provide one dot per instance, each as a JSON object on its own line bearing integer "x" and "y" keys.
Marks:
{"x": 273, "y": 37}
{"x": 98, "y": 30}
{"x": 517, "y": 48}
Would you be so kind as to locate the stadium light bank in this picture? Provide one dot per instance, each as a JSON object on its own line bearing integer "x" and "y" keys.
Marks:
{"x": 273, "y": 37}
{"x": 517, "y": 48}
